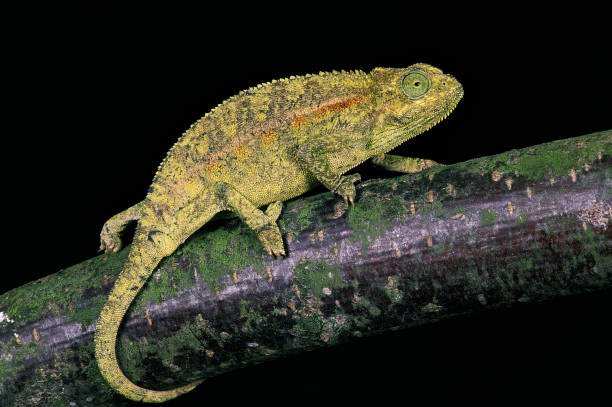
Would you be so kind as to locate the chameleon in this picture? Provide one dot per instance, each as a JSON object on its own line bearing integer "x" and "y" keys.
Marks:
{"x": 263, "y": 146}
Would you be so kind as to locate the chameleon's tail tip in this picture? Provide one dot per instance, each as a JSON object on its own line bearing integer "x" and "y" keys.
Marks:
{"x": 153, "y": 396}
{"x": 192, "y": 385}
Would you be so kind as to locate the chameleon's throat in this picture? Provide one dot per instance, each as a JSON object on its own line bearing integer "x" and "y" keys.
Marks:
{"x": 390, "y": 139}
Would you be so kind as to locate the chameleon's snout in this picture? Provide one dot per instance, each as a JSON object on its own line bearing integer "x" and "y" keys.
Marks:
{"x": 458, "y": 91}
{"x": 454, "y": 86}
{"x": 451, "y": 91}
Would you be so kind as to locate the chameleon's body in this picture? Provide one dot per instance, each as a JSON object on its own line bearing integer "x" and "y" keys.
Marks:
{"x": 261, "y": 147}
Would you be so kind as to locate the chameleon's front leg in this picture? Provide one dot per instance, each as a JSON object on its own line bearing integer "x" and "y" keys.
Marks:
{"x": 264, "y": 224}
{"x": 402, "y": 164}
{"x": 316, "y": 162}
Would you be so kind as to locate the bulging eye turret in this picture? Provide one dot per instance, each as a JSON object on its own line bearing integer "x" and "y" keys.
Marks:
{"x": 415, "y": 85}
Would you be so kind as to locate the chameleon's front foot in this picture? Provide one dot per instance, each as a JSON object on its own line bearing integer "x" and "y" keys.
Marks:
{"x": 346, "y": 188}
{"x": 402, "y": 164}
{"x": 272, "y": 240}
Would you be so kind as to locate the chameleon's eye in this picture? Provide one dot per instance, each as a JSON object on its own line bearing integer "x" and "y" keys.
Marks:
{"x": 415, "y": 85}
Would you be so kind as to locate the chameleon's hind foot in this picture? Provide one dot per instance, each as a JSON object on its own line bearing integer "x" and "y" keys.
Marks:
{"x": 271, "y": 237}
{"x": 109, "y": 242}
{"x": 272, "y": 241}
{"x": 264, "y": 224}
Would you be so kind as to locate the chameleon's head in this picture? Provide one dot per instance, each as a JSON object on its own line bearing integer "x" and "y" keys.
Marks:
{"x": 410, "y": 101}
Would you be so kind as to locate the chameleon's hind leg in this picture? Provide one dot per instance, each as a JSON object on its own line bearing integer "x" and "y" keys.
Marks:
{"x": 110, "y": 239}
{"x": 264, "y": 224}
{"x": 273, "y": 210}
{"x": 399, "y": 163}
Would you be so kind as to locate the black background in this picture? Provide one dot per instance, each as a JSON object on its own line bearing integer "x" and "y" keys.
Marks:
{"x": 107, "y": 91}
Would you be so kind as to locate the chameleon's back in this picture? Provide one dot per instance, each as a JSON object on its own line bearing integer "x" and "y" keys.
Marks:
{"x": 249, "y": 140}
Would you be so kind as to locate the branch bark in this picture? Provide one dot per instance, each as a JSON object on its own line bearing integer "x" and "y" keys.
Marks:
{"x": 522, "y": 226}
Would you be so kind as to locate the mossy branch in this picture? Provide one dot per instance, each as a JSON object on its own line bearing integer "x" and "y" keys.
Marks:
{"x": 526, "y": 225}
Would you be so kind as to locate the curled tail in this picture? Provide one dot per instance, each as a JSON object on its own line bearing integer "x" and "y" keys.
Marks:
{"x": 147, "y": 251}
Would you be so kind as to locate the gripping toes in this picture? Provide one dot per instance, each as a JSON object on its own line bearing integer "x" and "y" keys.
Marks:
{"x": 109, "y": 242}
{"x": 346, "y": 189}
{"x": 425, "y": 164}
{"x": 272, "y": 241}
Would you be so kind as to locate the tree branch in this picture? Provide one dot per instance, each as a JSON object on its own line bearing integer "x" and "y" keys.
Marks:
{"x": 522, "y": 226}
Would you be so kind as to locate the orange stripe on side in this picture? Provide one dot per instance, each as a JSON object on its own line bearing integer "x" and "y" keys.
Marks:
{"x": 321, "y": 111}
{"x": 336, "y": 107}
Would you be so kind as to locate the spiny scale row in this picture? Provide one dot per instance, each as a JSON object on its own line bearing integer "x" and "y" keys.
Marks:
{"x": 294, "y": 77}
{"x": 284, "y": 80}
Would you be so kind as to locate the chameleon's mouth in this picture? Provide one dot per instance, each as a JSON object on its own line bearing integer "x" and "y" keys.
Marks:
{"x": 394, "y": 134}
{"x": 393, "y": 137}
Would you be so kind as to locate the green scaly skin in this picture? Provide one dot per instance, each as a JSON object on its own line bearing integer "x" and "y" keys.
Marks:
{"x": 263, "y": 146}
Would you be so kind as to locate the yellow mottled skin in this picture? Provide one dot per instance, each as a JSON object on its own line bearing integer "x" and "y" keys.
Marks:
{"x": 263, "y": 146}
